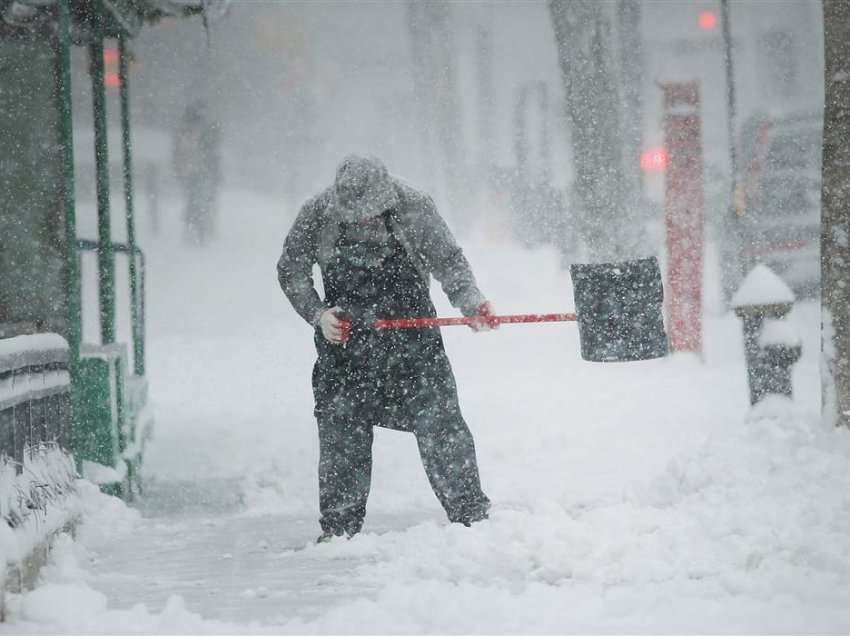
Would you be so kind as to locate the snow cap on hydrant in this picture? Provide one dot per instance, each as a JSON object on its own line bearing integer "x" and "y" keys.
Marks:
{"x": 762, "y": 287}
{"x": 363, "y": 189}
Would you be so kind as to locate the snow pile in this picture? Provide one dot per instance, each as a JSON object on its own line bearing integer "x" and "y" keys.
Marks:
{"x": 35, "y": 503}
{"x": 102, "y": 517}
{"x": 713, "y": 543}
{"x": 80, "y": 609}
{"x": 747, "y": 533}
{"x": 66, "y": 603}
{"x": 100, "y": 474}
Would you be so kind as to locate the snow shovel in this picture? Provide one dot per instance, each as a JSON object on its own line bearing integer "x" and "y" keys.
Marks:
{"x": 618, "y": 310}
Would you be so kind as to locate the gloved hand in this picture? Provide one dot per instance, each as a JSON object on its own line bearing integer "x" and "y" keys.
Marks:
{"x": 484, "y": 321}
{"x": 334, "y": 330}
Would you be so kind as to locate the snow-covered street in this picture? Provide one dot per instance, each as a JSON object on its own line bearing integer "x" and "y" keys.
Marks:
{"x": 639, "y": 497}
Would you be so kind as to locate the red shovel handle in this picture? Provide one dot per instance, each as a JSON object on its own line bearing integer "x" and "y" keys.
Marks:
{"x": 414, "y": 323}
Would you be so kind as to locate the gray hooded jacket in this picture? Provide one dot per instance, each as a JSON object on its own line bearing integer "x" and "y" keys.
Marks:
{"x": 415, "y": 222}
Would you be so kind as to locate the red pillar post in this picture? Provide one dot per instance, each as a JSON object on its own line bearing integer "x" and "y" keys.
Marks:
{"x": 684, "y": 202}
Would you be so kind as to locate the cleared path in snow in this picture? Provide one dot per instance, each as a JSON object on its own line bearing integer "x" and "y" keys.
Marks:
{"x": 227, "y": 566}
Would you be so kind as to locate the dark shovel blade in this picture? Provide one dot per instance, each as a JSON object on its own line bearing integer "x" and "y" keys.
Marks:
{"x": 619, "y": 309}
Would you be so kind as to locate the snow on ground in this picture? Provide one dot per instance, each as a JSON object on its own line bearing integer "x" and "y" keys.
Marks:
{"x": 641, "y": 497}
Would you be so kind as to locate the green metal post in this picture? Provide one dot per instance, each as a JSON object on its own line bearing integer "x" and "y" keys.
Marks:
{"x": 106, "y": 256}
{"x": 135, "y": 308}
{"x": 71, "y": 258}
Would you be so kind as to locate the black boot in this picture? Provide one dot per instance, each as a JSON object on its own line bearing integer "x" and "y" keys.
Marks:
{"x": 475, "y": 517}
{"x": 327, "y": 536}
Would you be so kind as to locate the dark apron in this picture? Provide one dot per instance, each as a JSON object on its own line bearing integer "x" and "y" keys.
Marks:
{"x": 380, "y": 375}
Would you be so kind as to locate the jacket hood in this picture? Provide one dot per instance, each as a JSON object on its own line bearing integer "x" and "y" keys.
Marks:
{"x": 363, "y": 189}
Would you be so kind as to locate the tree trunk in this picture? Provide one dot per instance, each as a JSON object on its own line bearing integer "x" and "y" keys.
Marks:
{"x": 422, "y": 84}
{"x": 835, "y": 214}
{"x": 631, "y": 80}
{"x": 435, "y": 83}
{"x": 486, "y": 98}
{"x": 583, "y": 36}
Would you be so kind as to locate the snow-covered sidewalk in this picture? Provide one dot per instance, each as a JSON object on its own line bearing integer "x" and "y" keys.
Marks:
{"x": 638, "y": 497}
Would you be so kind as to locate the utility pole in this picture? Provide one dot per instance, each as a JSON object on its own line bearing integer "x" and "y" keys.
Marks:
{"x": 484, "y": 55}
{"x": 735, "y": 269}
{"x": 583, "y": 37}
{"x": 631, "y": 82}
{"x": 730, "y": 100}
{"x": 105, "y": 253}
{"x": 435, "y": 86}
{"x": 835, "y": 215}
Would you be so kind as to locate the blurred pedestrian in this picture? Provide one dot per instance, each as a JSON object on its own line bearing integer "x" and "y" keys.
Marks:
{"x": 197, "y": 167}
{"x": 377, "y": 242}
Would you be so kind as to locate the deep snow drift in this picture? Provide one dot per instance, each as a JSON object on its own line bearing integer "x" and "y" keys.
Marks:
{"x": 638, "y": 497}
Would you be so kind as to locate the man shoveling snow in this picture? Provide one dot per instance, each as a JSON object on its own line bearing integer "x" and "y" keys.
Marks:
{"x": 377, "y": 242}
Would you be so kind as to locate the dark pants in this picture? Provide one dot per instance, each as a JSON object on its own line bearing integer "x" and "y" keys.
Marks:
{"x": 425, "y": 404}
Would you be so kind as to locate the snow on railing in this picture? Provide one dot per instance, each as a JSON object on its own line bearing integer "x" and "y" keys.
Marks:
{"x": 37, "y": 474}
{"x": 34, "y": 393}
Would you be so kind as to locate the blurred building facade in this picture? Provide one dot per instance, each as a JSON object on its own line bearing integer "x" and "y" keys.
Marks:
{"x": 777, "y": 49}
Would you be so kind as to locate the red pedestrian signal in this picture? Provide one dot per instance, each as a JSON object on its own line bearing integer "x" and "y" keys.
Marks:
{"x": 111, "y": 79}
{"x": 707, "y": 20}
{"x": 654, "y": 159}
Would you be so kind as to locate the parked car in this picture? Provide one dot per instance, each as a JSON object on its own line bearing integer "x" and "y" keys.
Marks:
{"x": 777, "y": 203}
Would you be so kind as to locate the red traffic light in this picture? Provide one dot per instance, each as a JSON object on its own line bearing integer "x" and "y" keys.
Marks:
{"x": 110, "y": 76}
{"x": 707, "y": 20}
{"x": 654, "y": 159}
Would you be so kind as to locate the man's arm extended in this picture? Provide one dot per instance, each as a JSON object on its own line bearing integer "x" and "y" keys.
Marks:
{"x": 295, "y": 266}
{"x": 447, "y": 261}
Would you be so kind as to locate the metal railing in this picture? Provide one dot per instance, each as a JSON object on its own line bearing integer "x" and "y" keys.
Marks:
{"x": 137, "y": 268}
{"x": 34, "y": 397}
